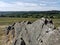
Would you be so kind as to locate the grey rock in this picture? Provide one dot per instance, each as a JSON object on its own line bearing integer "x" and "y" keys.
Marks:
{"x": 36, "y": 33}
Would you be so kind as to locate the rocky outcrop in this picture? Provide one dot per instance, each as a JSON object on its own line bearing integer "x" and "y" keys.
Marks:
{"x": 36, "y": 33}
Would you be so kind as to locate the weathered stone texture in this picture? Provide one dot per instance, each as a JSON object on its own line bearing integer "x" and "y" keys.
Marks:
{"x": 36, "y": 33}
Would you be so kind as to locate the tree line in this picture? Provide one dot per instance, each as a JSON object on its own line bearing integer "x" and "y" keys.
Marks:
{"x": 32, "y": 14}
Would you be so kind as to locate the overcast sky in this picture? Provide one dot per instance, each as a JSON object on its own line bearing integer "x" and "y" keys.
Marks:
{"x": 29, "y": 5}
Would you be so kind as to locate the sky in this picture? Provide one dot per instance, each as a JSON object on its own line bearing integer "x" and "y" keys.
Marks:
{"x": 29, "y": 5}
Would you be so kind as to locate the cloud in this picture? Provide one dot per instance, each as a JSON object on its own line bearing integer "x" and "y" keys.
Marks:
{"x": 43, "y": 4}
{"x": 17, "y": 6}
{"x": 5, "y": 4}
{"x": 25, "y": 6}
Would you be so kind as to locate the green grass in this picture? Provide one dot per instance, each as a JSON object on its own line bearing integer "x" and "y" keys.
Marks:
{"x": 7, "y": 21}
{"x": 56, "y": 22}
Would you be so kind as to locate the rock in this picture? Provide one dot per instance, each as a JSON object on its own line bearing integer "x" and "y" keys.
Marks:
{"x": 36, "y": 33}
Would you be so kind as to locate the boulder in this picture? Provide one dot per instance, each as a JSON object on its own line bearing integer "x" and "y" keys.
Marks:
{"x": 36, "y": 33}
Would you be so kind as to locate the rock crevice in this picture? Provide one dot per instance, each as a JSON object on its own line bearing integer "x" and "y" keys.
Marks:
{"x": 40, "y": 32}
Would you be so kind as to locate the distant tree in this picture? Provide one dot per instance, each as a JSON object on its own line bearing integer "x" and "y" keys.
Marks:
{"x": 51, "y": 16}
{"x": 2, "y": 16}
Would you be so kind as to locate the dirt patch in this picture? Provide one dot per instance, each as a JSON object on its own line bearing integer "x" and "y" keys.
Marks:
{"x": 3, "y": 26}
{"x": 2, "y": 33}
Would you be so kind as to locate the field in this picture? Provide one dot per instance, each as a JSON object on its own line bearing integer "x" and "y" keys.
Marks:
{"x": 56, "y": 22}
{"x": 7, "y": 21}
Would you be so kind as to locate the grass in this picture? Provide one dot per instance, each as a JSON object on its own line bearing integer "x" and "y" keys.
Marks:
{"x": 1, "y": 34}
{"x": 56, "y": 22}
{"x": 6, "y": 21}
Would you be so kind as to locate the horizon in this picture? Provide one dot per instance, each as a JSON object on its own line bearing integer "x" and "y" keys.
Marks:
{"x": 29, "y": 11}
{"x": 29, "y": 5}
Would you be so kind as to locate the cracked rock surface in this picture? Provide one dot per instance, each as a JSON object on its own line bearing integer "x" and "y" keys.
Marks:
{"x": 36, "y": 33}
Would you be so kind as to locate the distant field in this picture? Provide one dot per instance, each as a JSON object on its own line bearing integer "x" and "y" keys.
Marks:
{"x": 56, "y": 22}
{"x": 7, "y": 21}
